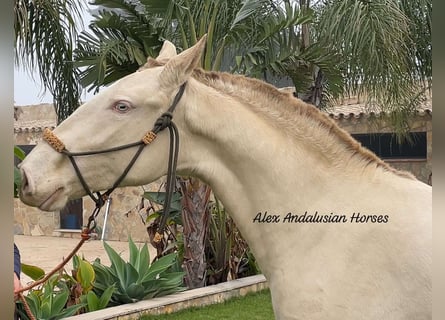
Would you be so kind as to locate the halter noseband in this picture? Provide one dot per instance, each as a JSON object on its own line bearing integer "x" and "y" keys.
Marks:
{"x": 164, "y": 121}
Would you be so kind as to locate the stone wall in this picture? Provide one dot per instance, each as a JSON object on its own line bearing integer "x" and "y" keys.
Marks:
{"x": 32, "y": 221}
{"x": 123, "y": 219}
{"x": 199, "y": 297}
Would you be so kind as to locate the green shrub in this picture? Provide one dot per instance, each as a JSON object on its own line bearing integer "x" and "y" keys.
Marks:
{"x": 49, "y": 302}
{"x": 83, "y": 280}
{"x": 136, "y": 279}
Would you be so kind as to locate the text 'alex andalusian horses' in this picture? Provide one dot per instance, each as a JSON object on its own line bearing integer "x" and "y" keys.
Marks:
{"x": 337, "y": 232}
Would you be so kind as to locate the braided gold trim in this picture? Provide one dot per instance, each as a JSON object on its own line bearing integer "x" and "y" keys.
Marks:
{"x": 157, "y": 238}
{"x": 149, "y": 137}
{"x": 53, "y": 140}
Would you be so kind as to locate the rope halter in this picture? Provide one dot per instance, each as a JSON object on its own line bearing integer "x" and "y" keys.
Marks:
{"x": 163, "y": 122}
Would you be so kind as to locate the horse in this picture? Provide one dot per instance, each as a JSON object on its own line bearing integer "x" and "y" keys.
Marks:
{"x": 337, "y": 232}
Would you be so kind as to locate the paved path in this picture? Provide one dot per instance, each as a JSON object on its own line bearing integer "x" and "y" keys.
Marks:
{"x": 47, "y": 252}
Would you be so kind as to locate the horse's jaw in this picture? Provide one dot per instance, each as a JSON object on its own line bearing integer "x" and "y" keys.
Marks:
{"x": 55, "y": 201}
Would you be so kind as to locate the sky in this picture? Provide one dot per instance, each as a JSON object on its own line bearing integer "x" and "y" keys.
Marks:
{"x": 28, "y": 91}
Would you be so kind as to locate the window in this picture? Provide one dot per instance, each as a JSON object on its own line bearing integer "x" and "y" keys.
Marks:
{"x": 385, "y": 145}
{"x": 71, "y": 215}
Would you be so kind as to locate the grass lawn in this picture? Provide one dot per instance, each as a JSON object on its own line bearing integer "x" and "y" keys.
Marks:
{"x": 254, "y": 306}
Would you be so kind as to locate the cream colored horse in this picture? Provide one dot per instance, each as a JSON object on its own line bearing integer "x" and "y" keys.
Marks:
{"x": 279, "y": 166}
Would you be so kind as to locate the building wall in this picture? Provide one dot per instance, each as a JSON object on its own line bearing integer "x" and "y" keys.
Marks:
{"x": 125, "y": 218}
{"x": 421, "y": 122}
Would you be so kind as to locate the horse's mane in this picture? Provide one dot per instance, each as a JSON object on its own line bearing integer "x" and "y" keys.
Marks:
{"x": 285, "y": 111}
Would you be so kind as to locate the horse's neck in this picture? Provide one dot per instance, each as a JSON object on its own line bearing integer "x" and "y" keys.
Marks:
{"x": 254, "y": 166}
{"x": 241, "y": 150}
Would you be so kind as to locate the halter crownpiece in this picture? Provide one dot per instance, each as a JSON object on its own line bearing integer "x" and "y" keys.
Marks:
{"x": 53, "y": 140}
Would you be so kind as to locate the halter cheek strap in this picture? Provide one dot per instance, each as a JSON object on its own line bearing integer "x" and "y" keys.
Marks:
{"x": 163, "y": 122}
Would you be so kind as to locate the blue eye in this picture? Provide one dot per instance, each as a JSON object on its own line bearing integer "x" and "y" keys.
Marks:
{"x": 122, "y": 106}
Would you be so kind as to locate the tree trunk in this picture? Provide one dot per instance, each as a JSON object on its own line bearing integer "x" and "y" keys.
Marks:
{"x": 195, "y": 217}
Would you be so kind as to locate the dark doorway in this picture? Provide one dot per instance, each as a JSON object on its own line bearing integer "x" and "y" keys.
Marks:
{"x": 71, "y": 215}
{"x": 386, "y": 146}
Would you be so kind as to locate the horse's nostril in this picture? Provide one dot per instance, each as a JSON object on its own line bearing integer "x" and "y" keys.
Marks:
{"x": 26, "y": 186}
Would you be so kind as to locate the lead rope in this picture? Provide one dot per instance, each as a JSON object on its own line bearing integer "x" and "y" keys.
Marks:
{"x": 171, "y": 179}
{"x": 85, "y": 235}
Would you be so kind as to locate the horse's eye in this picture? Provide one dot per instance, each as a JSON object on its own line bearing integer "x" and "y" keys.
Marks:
{"x": 122, "y": 106}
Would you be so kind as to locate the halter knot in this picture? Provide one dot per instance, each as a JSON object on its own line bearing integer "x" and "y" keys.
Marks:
{"x": 163, "y": 121}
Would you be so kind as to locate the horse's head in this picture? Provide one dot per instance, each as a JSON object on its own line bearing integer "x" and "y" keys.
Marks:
{"x": 119, "y": 115}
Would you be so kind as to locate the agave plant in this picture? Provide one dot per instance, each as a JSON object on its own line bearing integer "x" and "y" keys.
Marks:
{"x": 137, "y": 279}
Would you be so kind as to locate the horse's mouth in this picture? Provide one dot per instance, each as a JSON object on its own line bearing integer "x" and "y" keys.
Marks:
{"x": 35, "y": 193}
{"x": 55, "y": 201}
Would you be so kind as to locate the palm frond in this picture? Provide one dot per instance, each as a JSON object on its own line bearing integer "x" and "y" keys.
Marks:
{"x": 157, "y": 6}
{"x": 248, "y": 8}
{"x": 120, "y": 38}
{"x": 45, "y": 32}
{"x": 375, "y": 40}
{"x": 419, "y": 13}
{"x": 107, "y": 56}
{"x": 276, "y": 47}
{"x": 125, "y": 8}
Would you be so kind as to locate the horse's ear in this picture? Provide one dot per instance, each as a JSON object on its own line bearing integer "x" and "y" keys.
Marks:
{"x": 167, "y": 52}
{"x": 179, "y": 68}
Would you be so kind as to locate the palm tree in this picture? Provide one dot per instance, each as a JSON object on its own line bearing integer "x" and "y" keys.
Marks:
{"x": 254, "y": 37}
{"x": 383, "y": 49}
{"x": 45, "y": 34}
